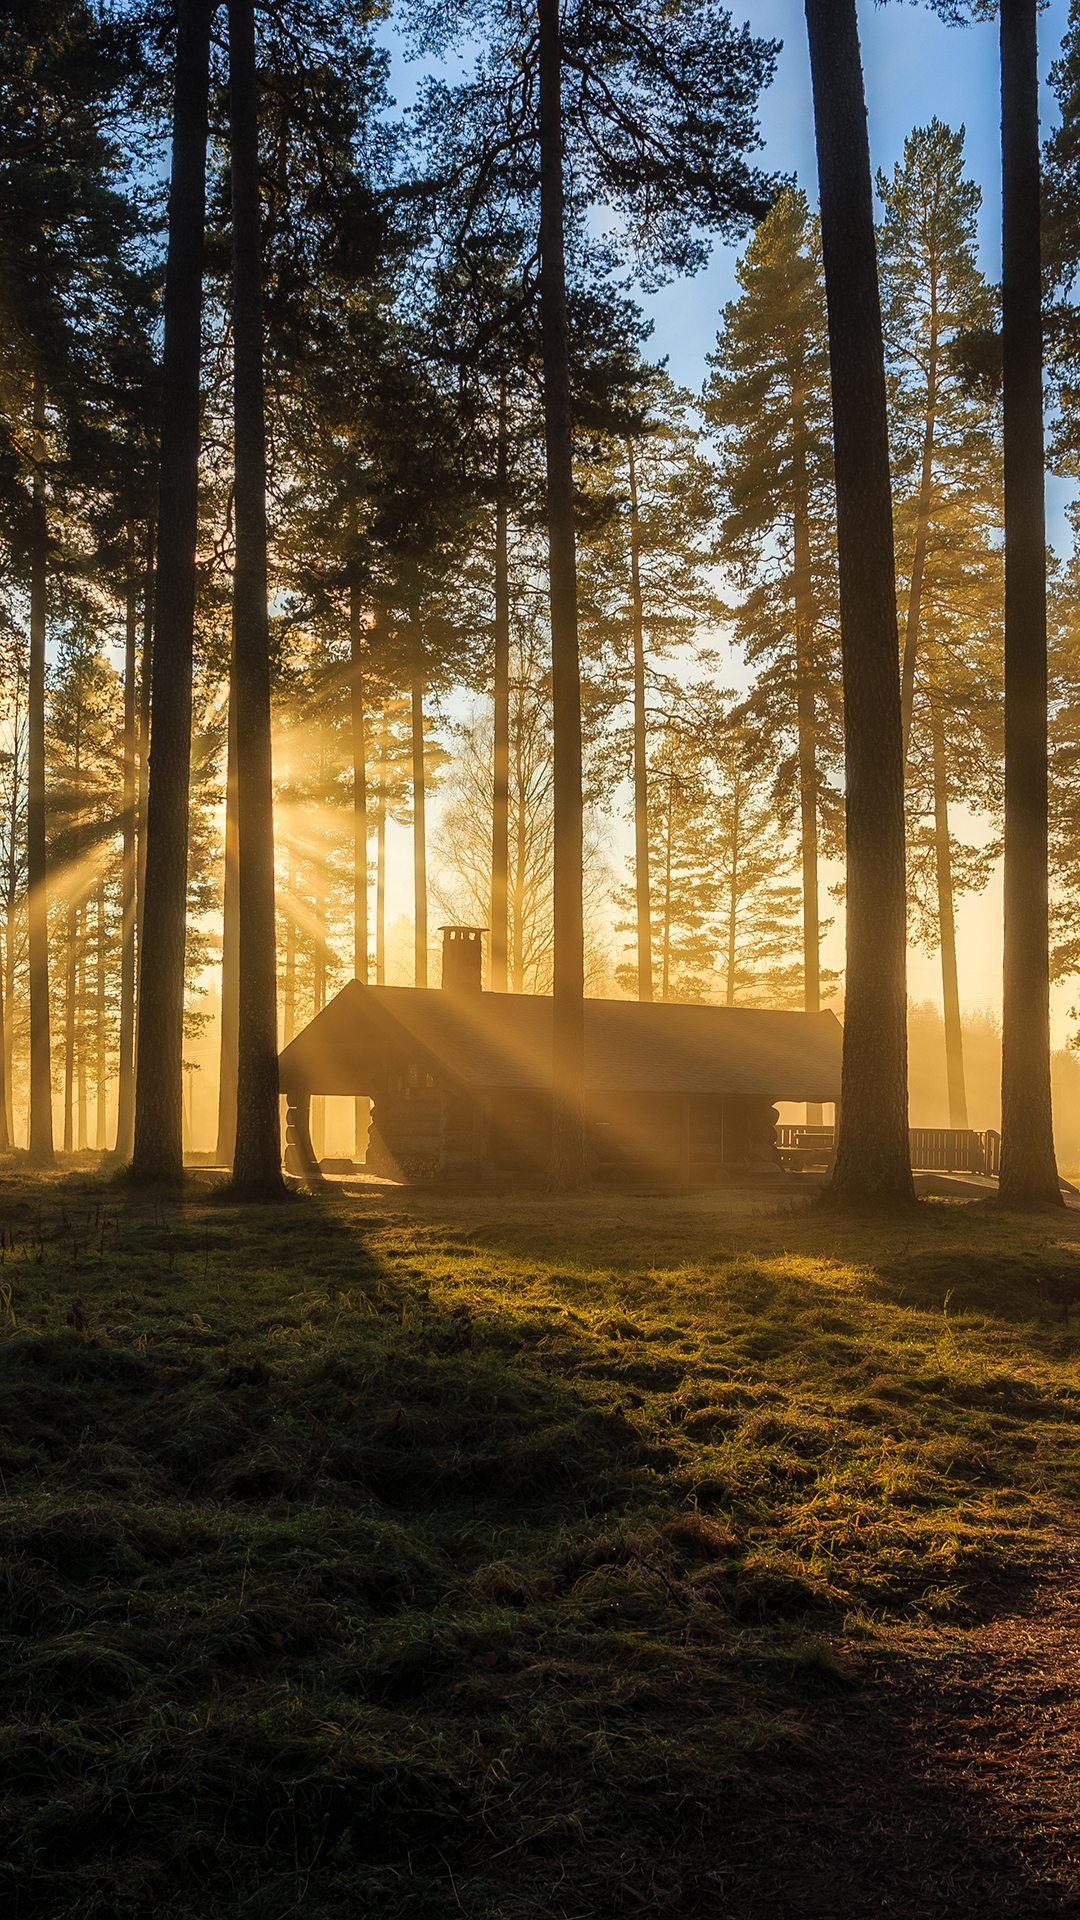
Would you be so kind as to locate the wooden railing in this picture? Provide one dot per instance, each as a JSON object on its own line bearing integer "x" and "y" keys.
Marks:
{"x": 933, "y": 1149}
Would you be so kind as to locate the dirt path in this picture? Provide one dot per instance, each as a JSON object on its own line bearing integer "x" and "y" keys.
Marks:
{"x": 949, "y": 1788}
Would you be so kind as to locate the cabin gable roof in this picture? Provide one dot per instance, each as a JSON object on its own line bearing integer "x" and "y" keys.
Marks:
{"x": 490, "y": 1041}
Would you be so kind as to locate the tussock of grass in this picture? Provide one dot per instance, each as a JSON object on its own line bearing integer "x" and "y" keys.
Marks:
{"x": 380, "y": 1562}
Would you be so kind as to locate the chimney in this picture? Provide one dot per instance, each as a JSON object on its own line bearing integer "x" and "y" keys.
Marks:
{"x": 462, "y": 959}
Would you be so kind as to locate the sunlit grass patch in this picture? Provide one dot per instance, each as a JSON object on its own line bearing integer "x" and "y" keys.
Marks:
{"x": 408, "y": 1559}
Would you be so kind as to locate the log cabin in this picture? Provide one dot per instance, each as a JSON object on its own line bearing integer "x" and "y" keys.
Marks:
{"x": 459, "y": 1081}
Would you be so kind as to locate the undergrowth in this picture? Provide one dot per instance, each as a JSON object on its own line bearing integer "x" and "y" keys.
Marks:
{"x": 404, "y": 1558}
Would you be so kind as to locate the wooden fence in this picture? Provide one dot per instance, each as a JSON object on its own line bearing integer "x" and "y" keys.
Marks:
{"x": 933, "y": 1149}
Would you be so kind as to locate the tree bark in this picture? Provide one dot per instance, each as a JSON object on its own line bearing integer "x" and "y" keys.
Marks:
{"x": 380, "y": 859}
{"x": 100, "y": 1069}
{"x": 41, "y": 1122}
{"x": 9, "y": 1024}
{"x": 125, "y": 1091}
{"x": 7, "y": 1138}
{"x": 733, "y": 900}
{"x": 922, "y": 526}
{"x": 643, "y": 901}
{"x": 521, "y": 858}
{"x": 11, "y": 897}
{"x": 500, "y": 795}
{"x": 257, "y": 1158}
{"x": 420, "y": 974}
{"x": 360, "y": 831}
{"x": 360, "y": 804}
{"x": 317, "y": 1111}
{"x": 950, "y": 984}
{"x": 225, "y": 1148}
{"x": 872, "y": 1157}
{"x": 1028, "y": 1164}
{"x": 69, "y": 1031}
{"x": 807, "y": 730}
{"x": 568, "y": 1009}
{"x": 81, "y": 1024}
{"x": 669, "y": 839}
{"x": 289, "y": 1010}
{"x": 159, "y": 1089}
{"x": 145, "y": 675}
{"x": 806, "y": 712}
{"x": 318, "y": 902}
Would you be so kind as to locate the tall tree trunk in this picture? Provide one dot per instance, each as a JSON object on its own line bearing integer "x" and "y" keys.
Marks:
{"x": 7, "y": 1135}
{"x": 125, "y": 1091}
{"x": 380, "y": 858}
{"x": 143, "y": 788}
{"x": 318, "y": 892}
{"x": 318, "y": 969}
{"x": 257, "y": 1159}
{"x": 100, "y": 1065}
{"x": 69, "y": 1031}
{"x": 500, "y": 792}
{"x": 669, "y": 839}
{"x": 922, "y": 529}
{"x": 146, "y": 668}
{"x": 568, "y": 1009}
{"x": 11, "y": 893}
{"x": 41, "y": 1124}
{"x": 641, "y": 775}
{"x": 950, "y": 984}
{"x": 10, "y": 902}
{"x": 872, "y": 1158}
{"x": 419, "y": 835}
{"x": 230, "y": 956}
{"x": 360, "y": 802}
{"x": 521, "y": 862}
{"x": 806, "y": 713}
{"x": 733, "y": 905}
{"x": 289, "y": 1014}
{"x": 159, "y": 1067}
{"x": 81, "y": 1024}
{"x": 1028, "y": 1164}
{"x": 360, "y": 831}
{"x": 807, "y": 726}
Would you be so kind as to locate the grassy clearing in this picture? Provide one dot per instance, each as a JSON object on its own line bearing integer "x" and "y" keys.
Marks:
{"x": 420, "y": 1556}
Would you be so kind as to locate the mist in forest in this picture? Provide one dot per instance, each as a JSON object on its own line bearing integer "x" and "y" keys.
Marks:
{"x": 928, "y": 1101}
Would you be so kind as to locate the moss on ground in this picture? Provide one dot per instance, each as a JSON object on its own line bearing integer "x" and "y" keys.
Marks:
{"x": 418, "y": 1556}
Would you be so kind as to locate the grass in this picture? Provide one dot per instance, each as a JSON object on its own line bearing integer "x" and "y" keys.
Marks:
{"x": 425, "y": 1556}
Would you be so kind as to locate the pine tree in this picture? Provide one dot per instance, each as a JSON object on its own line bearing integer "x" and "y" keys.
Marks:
{"x": 767, "y": 401}
{"x": 947, "y": 478}
{"x": 944, "y": 457}
{"x": 947, "y": 517}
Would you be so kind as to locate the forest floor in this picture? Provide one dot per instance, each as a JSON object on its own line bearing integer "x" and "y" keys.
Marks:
{"x": 390, "y": 1553}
